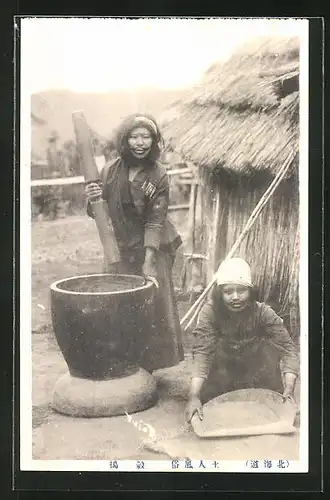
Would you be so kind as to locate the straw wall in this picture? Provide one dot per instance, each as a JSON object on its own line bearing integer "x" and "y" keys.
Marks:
{"x": 271, "y": 247}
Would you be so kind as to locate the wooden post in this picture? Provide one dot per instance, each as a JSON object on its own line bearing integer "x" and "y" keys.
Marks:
{"x": 189, "y": 247}
{"x": 197, "y": 261}
{"x": 99, "y": 206}
{"x": 191, "y": 220}
{"x": 213, "y": 239}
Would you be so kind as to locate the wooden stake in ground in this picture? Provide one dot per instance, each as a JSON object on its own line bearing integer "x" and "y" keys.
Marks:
{"x": 99, "y": 206}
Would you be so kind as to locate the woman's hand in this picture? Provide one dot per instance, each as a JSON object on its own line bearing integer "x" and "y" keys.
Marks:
{"x": 93, "y": 191}
{"x": 149, "y": 268}
{"x": 289, "y": 382}
{"x": 288, "y": 393}
{"x": 194, "y": 406}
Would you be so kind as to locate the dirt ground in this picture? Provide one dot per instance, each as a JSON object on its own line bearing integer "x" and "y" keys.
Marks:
{"x": 64, "y": 248}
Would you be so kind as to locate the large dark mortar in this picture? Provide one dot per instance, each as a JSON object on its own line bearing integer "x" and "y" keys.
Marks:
{"x": 102, "y": 323}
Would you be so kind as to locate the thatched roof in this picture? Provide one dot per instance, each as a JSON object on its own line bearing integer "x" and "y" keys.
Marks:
{"x": 244, "y": 116}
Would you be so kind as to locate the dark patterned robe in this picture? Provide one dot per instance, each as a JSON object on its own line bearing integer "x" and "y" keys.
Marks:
{"x": 138, "y": 212}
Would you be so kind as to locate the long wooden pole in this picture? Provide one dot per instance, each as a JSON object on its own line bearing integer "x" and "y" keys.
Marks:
{"x": 99, "y": 206}
{"x": 193, "y": 312}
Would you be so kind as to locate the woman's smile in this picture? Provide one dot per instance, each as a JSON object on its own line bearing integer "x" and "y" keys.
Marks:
{"x": 140, "y": 142}
{"x": 140, "y": 150}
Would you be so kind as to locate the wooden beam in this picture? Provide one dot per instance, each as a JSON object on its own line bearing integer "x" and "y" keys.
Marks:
{"x": 79, "y": 179}
{"x": 174, "y": 208}
{"x": 178, "y": 171}
{"x": 58, "y": 181}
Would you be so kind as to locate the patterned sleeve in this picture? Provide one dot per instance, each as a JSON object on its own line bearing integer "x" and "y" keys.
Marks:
{"x": 206, "y": 338}
{"x": 278, "y": 335}
{"x": 156, "y": 213}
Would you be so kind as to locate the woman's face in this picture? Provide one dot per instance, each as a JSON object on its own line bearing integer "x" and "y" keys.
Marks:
{"x": 140, "y": 142}
{"x": 235, "y": 297}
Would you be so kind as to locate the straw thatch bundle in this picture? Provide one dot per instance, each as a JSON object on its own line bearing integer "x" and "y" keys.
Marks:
{"x": 243, "y": 81}
{"x": 240, "y": 118}
{"x": 239, "y": 126}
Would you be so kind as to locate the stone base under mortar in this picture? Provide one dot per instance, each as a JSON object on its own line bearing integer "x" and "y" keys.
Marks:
{"x": 80, "y": 397}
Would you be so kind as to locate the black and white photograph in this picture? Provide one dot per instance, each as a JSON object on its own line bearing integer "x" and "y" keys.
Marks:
{"x": 164, "y": 244}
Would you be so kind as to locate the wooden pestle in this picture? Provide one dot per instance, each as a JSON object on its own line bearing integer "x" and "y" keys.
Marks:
{"x": 91, "y": 174}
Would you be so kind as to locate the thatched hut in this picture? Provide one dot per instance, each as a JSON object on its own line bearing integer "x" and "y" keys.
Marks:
{"x": 238, "y": 128}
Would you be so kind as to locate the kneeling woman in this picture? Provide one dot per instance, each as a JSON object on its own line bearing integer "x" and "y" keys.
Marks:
{"x": 239, "y": 342}
{"x": 136, "y": 188}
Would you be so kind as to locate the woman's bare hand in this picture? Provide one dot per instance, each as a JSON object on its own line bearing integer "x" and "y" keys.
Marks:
{"x": 289, "y": 382}
{"x": 194, "y": 406}
{"x": 93, "y": 191}
{"x": 149, "y": 268}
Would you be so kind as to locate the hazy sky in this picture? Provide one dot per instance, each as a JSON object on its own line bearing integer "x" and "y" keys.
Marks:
{"x": 105, "y": 54}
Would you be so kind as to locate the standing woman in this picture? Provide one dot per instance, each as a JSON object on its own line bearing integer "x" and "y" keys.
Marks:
{"x": 136, "y": 189}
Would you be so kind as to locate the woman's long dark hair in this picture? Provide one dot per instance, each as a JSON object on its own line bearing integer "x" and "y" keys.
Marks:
{"x": 126, "y": 128}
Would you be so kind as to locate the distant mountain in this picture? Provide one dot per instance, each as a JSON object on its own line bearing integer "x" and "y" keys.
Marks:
{"x": 52, "y": 111}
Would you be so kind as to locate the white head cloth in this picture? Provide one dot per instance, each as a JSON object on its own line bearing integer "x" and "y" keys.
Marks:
{"x": 235, "y": 272}
{"x": 139, "y": 120}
